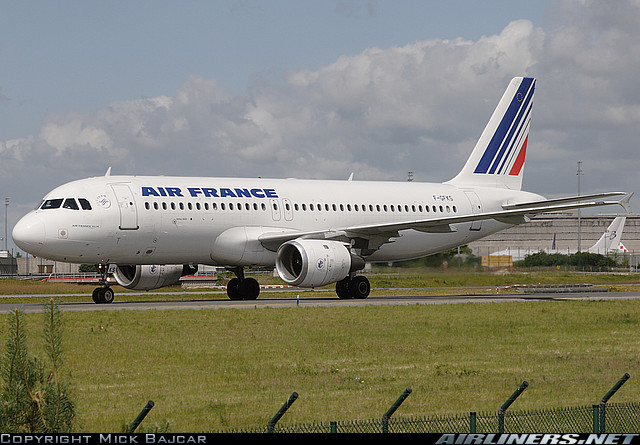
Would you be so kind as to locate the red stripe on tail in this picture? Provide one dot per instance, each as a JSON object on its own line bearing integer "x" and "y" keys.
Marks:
{"x": 517, "y": 166}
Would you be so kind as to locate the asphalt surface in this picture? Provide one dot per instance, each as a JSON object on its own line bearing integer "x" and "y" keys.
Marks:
{"x": 329, "y": 301}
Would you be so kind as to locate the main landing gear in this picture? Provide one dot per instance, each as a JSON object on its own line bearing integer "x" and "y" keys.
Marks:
{"x": 356, "y": 286}
{"x": 103, "y": 294}
{"x": 241, "y": 288}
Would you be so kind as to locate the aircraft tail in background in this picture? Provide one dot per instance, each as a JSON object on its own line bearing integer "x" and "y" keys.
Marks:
{"x": 610, "y": 239}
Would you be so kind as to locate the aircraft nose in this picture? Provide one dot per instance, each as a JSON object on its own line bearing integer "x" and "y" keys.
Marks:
{"x": 28, "y": 234}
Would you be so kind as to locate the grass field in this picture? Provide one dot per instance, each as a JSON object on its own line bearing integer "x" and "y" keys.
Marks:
{"x": 229, "y": 368}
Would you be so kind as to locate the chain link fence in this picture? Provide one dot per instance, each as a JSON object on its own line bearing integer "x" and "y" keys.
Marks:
{"x": 609, "y": 418}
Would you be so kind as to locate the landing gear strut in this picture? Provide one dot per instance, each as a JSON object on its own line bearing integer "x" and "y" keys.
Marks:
{"x": 356, "y": 286}
{"x": 241, "y": 288}
{"x": 103, "y": 294}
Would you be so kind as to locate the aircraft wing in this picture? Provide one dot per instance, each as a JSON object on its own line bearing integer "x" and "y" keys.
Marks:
{"x": 372, "y": 236}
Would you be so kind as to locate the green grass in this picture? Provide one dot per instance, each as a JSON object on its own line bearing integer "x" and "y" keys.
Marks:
{"x": 230, "y": 368}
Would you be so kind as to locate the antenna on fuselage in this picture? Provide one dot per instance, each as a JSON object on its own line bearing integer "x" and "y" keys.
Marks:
{"x": 108, "y": 173}
{"x": 350, "y": 177}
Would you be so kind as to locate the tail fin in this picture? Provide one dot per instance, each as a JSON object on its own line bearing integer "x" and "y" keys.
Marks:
{"x": 610, "y": 239}
{"x": 498, "y": 157}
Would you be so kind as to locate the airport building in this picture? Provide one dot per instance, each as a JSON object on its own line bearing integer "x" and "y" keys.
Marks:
{"x": 558, "y": 232}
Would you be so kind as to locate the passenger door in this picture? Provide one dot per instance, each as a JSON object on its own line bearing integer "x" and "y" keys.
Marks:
{"x": 127, "y": 206}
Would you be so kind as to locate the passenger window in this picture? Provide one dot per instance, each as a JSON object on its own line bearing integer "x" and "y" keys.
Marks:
{"x": 51, "y": 204}
{"x": 70, "y": 203}
{"x": 84, "y": 204}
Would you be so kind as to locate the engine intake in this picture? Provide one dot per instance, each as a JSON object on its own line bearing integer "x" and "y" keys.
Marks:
{"x": 148, "y": 277}
{"x": 315, "y": 263}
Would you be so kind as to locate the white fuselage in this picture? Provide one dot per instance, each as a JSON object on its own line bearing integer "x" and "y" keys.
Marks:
{"x": 176, "y": 220}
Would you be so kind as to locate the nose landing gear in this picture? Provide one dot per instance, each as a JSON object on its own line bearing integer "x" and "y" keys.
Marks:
{"x": 103, "y": 294}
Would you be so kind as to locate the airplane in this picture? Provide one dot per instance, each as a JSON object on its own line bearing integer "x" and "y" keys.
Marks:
{"x": 609, "y": 242}
{"x": 152, "y": 230}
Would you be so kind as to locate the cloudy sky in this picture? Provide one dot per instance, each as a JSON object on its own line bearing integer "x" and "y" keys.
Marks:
{"x": 311, "y": 89}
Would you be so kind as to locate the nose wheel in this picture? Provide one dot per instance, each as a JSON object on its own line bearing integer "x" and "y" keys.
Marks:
{"x": 103, "y": 294}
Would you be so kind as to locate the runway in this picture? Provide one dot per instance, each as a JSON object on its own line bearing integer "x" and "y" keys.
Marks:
{"x": 328, "y": 301}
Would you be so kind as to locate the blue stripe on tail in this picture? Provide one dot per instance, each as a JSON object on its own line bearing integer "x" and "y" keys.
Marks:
{"x": 515, "y": 115}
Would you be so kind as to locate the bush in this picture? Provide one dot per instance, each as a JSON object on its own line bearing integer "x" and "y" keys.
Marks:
{"x": 34, "y": 400}
{"x": 580, "y": 260}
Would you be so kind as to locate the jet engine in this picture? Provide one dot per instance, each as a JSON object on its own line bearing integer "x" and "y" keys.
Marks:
{"x": 148, "y": 277}
{"x": 315, "y": 263}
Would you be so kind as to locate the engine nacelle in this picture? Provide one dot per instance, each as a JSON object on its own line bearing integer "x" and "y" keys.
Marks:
{"x": 148, "y": 277}
{"x": 315, "y": 263}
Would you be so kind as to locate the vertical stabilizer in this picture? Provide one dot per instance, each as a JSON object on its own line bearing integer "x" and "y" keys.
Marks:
{"x": 610, "y": 239}
{"x": 498, "y": 157}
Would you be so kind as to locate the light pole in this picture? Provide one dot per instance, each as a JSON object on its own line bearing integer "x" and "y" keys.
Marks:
{"x": 579, "y": 231}
{"x": 6, "y": 208}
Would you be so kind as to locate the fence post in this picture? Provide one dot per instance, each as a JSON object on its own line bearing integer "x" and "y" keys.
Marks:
{"x": 605, "y": 399}
{"x": 508, "y": 403}
{"x": 334, "y": 426}
{"x": 394, "y": 407}
{"x": 272, "y": 423}
{"x": 472, "y": 422}
{"x": 141, "y": 416}
{"x": 596, "y": 419}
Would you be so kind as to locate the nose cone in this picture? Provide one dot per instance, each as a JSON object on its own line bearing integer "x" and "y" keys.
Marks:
{"x": 29, "y": 233}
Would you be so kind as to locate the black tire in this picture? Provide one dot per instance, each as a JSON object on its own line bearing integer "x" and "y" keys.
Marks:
{"x": 249, "y": 289}
{"x": 107, "y": 295}
{"x": 359, "y": 287}
{"x": 103, "y": 295}
{"x": 233, "y": 289}
{"x": 97, "y": 299}
{"x": 342, "y": 289}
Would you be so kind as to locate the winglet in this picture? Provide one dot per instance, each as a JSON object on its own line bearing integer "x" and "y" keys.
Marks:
{"x": 624, "y": 202}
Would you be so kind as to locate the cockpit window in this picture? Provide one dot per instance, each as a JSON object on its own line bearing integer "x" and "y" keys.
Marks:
{"x": 84, "y": 204}
{"x": 70, "y": 203}
{"x": 51, "y": 204}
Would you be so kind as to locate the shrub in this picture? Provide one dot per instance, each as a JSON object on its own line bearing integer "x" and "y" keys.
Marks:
{"x": 34, "y": 399}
